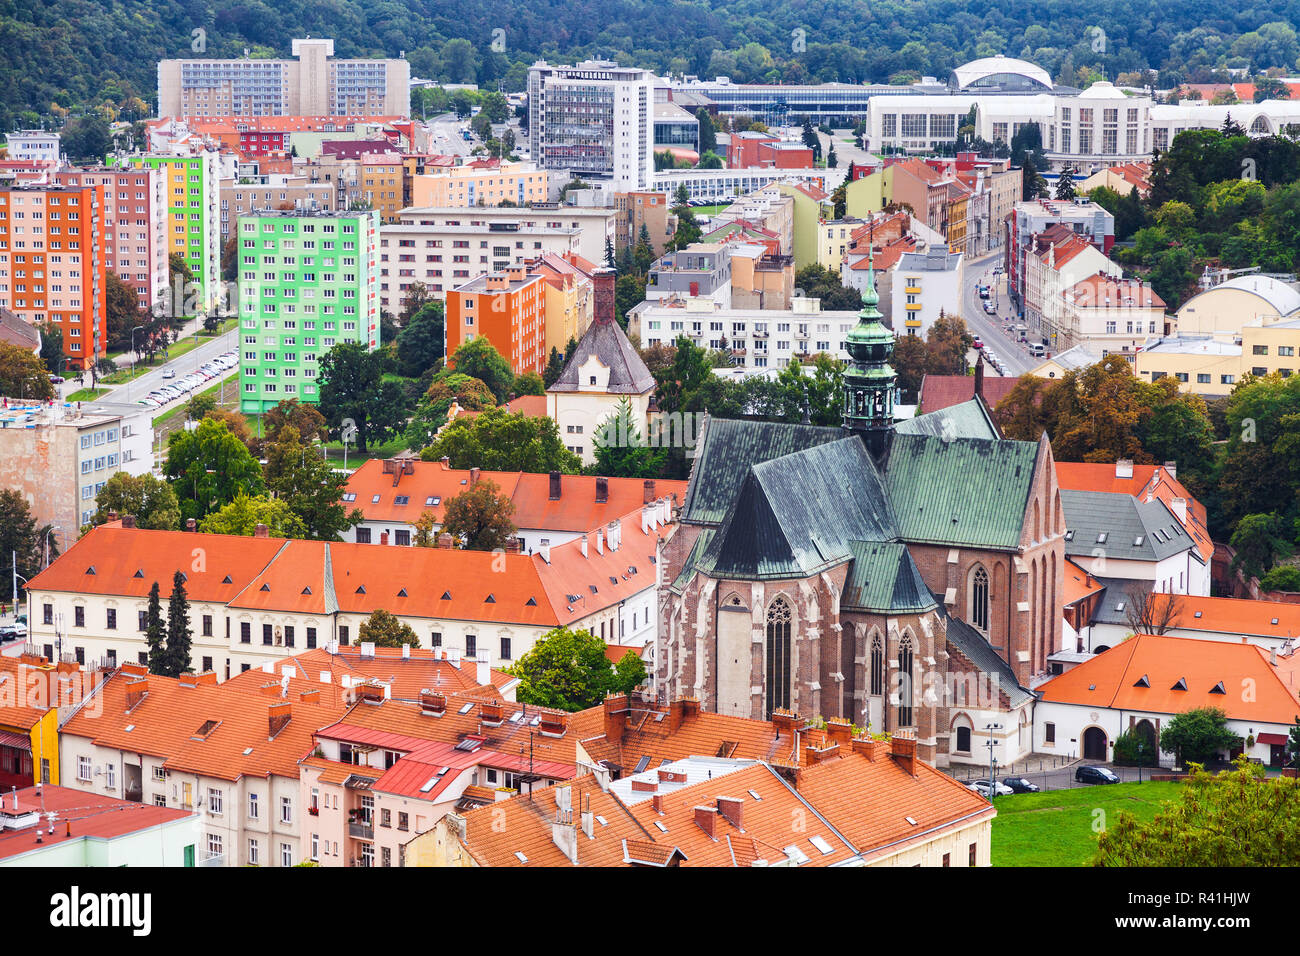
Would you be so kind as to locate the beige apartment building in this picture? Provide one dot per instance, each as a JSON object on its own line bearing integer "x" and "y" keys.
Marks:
{"x": 240, "y": 198}
{"x": 58, "y": 459}
{"x": 593, "y": 226}
{"x": 479, "y": 183}
{"x": 313, "y": 83}
{"x": 1207, "y": 366}
{"x": 649, "y": 209}
{"x": 1111, "y": 315}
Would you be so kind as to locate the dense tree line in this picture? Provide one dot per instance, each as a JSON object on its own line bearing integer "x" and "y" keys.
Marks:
{"x": 67, "y": 56}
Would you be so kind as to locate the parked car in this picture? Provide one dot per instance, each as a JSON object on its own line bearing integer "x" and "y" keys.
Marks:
{"x": 13, "y": 632}
{"x": 999, "y": 789}
{"x": 1095, "y": 775}
{"x": 979, "y": 343}
{"x": 57, "y": 379}
{"x": 1020, "y": 785}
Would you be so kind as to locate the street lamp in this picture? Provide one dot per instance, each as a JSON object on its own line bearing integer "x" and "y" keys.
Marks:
{"x": 45, "y": 543}
{"x": 993, "y": 761}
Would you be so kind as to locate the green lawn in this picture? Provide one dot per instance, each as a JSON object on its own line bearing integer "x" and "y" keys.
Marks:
{"x": 709, "y": 210}
{"x": 1056, "y": 828}
{"x": 87, "y": 394}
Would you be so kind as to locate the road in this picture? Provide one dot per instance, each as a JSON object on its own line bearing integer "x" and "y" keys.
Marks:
{"x": 446, "y": 138}
{"x": 1014, "y": 356}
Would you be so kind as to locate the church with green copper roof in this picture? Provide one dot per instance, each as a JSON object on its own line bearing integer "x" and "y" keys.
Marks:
{"x": 870, "y": 571}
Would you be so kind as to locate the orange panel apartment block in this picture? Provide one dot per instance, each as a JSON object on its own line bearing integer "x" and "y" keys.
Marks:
{"x": 507, "y": 308}
{"x": 52, "y": 263}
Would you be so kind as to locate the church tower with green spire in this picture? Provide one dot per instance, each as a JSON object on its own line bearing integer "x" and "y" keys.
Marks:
{"x": 869, "y": 380}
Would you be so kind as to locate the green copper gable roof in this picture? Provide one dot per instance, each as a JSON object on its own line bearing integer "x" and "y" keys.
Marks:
{"x": 966, "y": 493}
{"x": 885, "y": 580}
{"x": 796, "y": 515}
{"x": 728, "y": 449}
{"x": 965, "y": 420}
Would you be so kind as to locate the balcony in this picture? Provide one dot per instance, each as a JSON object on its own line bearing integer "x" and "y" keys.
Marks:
{"x": 361, "y": 831}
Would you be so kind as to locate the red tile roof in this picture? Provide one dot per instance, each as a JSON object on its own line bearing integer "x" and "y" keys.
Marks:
{"x": 80, "y": 815}
{"x": 29, "y": 690}
{"x": 1236, "y": 616}
{"x": 576, "y": 510}
{"x": 1202, "y": 665}
{"x": 1079, "y": 584}
{"x": 166, "y": 721}
{"x": 1103, "y": 291}
{"x": 944, "y": 391}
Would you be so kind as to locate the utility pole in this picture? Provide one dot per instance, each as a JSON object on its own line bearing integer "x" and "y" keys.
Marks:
{"x": 993, "y": 761}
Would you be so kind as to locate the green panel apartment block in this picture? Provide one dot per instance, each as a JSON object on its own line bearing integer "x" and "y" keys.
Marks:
{"x": 308, "y": 281}
{"x": 193, "y": 225}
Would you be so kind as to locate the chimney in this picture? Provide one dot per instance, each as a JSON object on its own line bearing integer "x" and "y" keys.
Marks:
{"x": 616, "y": 711}
{"x": 587, "y": 818}
{"x": 473, "y": 476}
{"x": 733, "y": 809}
{"x": 647, "y": 518}
{"x": 648, "y": 491}
{"x": 128, "y": 521}
{"x": 979, "y": 378}
{"x": 310, "y": 696}
{"x": 277, "y": 717}
{"x": 444, "y": 541}
{"x": 657, "y": 801}
{"x": 600, "y": 541}
{"x": 136, "y": 691}
{"x": 671, "y": 776}
{"x": 383, "y": 537}
{"x": 367, "y": 649}
{"x": 582, "y": 545}
{"x": 482, "y": 671}
{"x": 261, "y": 531}
{"x": 903, "y": 749}
{"x": 544, "y": 549}
{"x": 112, "y": 515}
{"x": 644, "y": 786}
{"x": 602, "y": 490}
{"x": 707, "y": 819}
{"x": 1179, "y": 507}
{"x": 406, "y": 652}
{"x": 555, "y": 486}
{"x": 1171, "y": 469}
{"x": 434, "y": 705}
{"x": 602, "y": 284}
{"x": 839, "y": 730}
{"x": 490, "y": 713}
{"x": 1124, "y": 468}
{"x": 873, "y": 750}
{"x": 613, "y": 535}
{"x": 690, "y": 707}
{"x": 553, "y": 725}
{"x": 191, "y": 524}
{"x": 563, "y": 833}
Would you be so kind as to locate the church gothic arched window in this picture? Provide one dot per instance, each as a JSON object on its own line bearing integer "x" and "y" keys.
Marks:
{"x": 877, "y": 666}
{"x": 779, "y": 617}
{"x": 905, "y": 681}
{"x": 979, "y": 599}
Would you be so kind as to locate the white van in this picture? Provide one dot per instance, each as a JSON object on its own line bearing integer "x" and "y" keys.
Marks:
{"x": 1037, "y": 350}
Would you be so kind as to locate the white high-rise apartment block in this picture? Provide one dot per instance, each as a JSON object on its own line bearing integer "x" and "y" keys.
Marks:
{"x": 314, "y": 83}
{"x": 595, "y": 119}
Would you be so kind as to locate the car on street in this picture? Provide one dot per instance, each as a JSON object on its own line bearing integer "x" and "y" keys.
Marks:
{"x": 990, "y": 308}
{"x": 1020, "y": 785}
{"x": 57, "y": 380}
{"x": 1095, "y": 775}
{"x": 979, "y": 343}
{"x": 999, "y": 789}
{"x": 169, "y": 373}
{"x": 13, "y": 632}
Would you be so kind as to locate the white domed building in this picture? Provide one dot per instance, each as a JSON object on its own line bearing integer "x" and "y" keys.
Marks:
{"x": 1000, "y": 75}
{"x": 1102, "y": 126}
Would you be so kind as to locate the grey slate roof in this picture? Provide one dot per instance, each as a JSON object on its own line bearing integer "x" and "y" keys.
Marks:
{"x": 728, "y": 449}
{"x": 1116, "y": 593}
{"x": 1124, "y": 520}
{"x": 796, "y": 515}
{"x": 966, "y": 493}
{"x": 976, "y": 648}
{"x": 885, "y": 580}
{"x": 965, "y": 420}
{"x": 628, "y": 375}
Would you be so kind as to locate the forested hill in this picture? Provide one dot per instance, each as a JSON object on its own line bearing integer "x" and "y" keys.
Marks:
{"x": 74, "y": 54}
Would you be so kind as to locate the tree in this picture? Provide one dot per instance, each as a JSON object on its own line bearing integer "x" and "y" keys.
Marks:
{"x": 208, "y": 467}
{"x": 460, "y": 64}
{"x": 1197, "y": 736}
{"x": 353, "y": 390}
{"x": 52, "y": 348}
{"x": 496, "y": 440}
{"x": 199, "y": 405}
{"x": 155, "y": 633}
{"x": 178, "y": 629}
{"x": 1132, "y": 749}
{"x": 151, "y": 501}
{"x": 426, "y": 531}
{"x": 1151, "y": 612}
{"x": 420, "y": 343}
{"x": 290, "y": 413}
{"x": 1293, "y": 745}
{"x": 479, "y": 517}
{"x": 831, "y": 159}
{"x": 529, "y": 383}
{"x": 1285, "y": 577}
{"x": 19, "y": 535}
{"x": 1031, "y": 181}
{"x": 1238, "y": 818}
{"x": 416, "y": 298}
{"x": 121, "y": 311}
{"x": 708, "y": 134}
{"x": 620, "y": 449}
{"x": 565, "y": 670}
{"x": 629, "y": 673}
{"x": 23, "y": 375}
{"x": 87, "y": 138}
{"x": 311, "y": 489}
{"x": 554, "y": 367}
{"x": 244, "y": 514}
{"x": 1065, "y": 184}
{"x": 479, "y": 359}
{"x": 1258, "y": 542}
{"x": 383, "y": 629}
